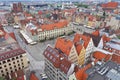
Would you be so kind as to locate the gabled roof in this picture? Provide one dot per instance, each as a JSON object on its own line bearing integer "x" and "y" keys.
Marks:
{"x": 79, "y": 47}
{"x": 64, "y": 45}
{"x": 96, "y": 39}
{"x": 96, "y": 33}
{"x": 83, "y": 39}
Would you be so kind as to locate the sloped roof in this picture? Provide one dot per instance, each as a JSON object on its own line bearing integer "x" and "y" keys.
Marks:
{"x": 96, "y": 33}
{"x": 85, "y": 39}
{"x": 100, "y": 56}
{"x": 96, "y": 39}
{"x": 110, "y": 5}
{"x": 64, "y": 45}
{"x": 57, "y": 59}
{"x": 52, "y": 26}
{"x": 80, "y": 74}
{"x": 78, "y": 47}
{"x": 33, "y": 76}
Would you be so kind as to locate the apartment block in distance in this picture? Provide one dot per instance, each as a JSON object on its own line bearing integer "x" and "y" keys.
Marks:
{"x": 12, "y": 57}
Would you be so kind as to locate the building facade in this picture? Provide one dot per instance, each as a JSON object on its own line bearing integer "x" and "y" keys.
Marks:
{"x": 12, "y": 57}
{"x": 57, "y": 66}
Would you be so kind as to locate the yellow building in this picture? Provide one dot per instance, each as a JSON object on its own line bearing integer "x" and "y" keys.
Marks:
{"x": 81, "y": 53}
{"x": 81, "y": 56}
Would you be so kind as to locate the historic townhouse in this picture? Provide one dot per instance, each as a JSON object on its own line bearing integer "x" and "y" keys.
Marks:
{"x": 81, "y": 53}
{"x": 87, "y": 42}
{"x": 68, "y": 48}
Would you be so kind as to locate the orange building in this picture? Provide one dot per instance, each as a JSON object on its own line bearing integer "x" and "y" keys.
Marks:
{"x": 68, "y": 48}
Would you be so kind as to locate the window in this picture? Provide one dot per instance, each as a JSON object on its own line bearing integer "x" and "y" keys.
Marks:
{"x": 1, "y": 71}
{"x": 15, "y": 69}
{"x": 4, "y": 62}
{"x": 7, "y": 73}
{"x": 10, "y": 67}
{"x": 4, "y": 65}
{"x": 2, "y": 74}
{"x": 15, "y": 66}
{"x": 18, "y": 64}
{"x": 13, "y": 58}
{"x": 18, "y": 61}
{"x": 13, "y": 62}
{"x": 17, "y": 57}
{"x": 6, "y": 69}
{"x": 11, "y": 71}
{"x": 9, "y": 64}
{"x": 0, "y": 67}
{"x": 20, "y": 55}
{"x": 19, "y": 68}
{"x": 8, "y": 60}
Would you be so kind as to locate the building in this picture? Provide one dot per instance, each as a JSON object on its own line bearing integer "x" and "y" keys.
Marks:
{"x": 18, "y": 75}
{"x": 87, "y": 42}
{"x": 38, "y": 32}
{"x": 110, "y": 6}
{"x": 17, "y": 7}
{"x": 81, "y": 53}
{"x": 108, "y": 71}
{"x": 67, "y": 47}
{"x": 57, "y": 66}
{"x": 12, "y": 57}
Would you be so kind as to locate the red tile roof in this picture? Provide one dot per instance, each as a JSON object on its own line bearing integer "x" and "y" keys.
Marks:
{"x": 65, "y": 65}
{"x": 57, "y": 59}
{"x": 116, "y": 58}
{"x": 101, "y": 56}
{"x": 105, "y": 38}
{"x": 85, "y": 39}
{"x": 81, "y": 75}
{"x": 78, "y": 47}
{"x": 58, "y": 25}
{"x": 110, "y": 5}
{"x": 11, "y": 54}
{"x": 96, "y": 33}
{"x": 12, "y": 35}
{"x": 33, "y": 77}
{"x": 64, "y": 45}
{"x": 18, "y": 75}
